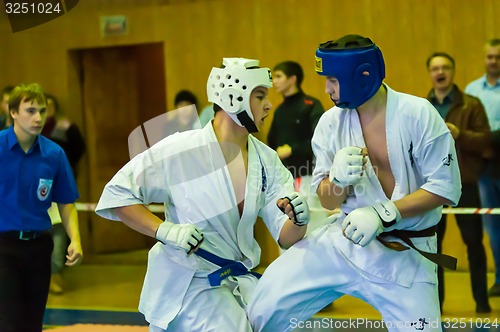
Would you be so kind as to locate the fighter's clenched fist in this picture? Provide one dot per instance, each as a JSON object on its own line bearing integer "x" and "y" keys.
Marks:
{"x": 182, "y": 236}
{"x": 296, "y": 207}
{"x": 348, "y": 166}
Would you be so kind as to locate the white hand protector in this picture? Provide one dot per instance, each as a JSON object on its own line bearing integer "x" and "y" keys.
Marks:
{"x": 300, "y": 209}
{"x": 347, "y": 167}
{"x": 181, "y": 236}
{"x": 362, "y": 225}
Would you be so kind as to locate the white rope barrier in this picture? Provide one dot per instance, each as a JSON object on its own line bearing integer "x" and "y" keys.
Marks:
{"x": 445, "y": 210}
{"x": 158, "y": 208}
{"x": 86, "y": 207}
{"x": 471, "y": 210}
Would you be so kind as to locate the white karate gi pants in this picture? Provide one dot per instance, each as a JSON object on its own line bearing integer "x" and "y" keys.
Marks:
{"x": 313, "y": 273}
{"x": 214, "y": 309}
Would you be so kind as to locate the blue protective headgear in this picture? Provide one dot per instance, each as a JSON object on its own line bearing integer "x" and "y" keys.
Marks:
{"x": 230, "y": 88}
{"x": 346, "y": 59}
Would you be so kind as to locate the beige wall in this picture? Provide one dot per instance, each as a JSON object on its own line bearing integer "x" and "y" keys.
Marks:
{"x": 197, "y": 34}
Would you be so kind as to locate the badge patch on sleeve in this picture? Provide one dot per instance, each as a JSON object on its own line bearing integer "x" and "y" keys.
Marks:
{"x": 43, "y": 190}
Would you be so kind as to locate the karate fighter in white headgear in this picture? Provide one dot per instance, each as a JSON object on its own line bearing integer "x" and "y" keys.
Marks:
{"x": 388, "y": 161}
{"x": 214, "y": 182}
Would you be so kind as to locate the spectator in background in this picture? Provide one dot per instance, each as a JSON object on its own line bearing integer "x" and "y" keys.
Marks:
{"x": 184, "y": 116}
{"x": 68, "y": 136}
{"x": 35, "y": 173}
{"x": 466, "y": 119}
{"x": 5, "y": 120}
{"x": 64, "y": 132}
{"x": 291, "y": 131}
{"x": 487, "y": 89}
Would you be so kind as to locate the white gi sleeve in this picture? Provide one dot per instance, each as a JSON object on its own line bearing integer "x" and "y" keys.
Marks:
{"x": 140, "y": 181}
{"x": 440, "y": 169}
{"x": 437, "y": 159}
{"x": 279, "y": 184}
{"x": 323, "y": 152}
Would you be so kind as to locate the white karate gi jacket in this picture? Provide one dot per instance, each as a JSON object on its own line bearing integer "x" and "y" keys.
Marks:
{"x": 187, "y": 172}
{"x": 421, "y": 155}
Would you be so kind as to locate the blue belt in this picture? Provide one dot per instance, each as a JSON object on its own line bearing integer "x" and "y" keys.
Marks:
{"x": 228, "y": 267}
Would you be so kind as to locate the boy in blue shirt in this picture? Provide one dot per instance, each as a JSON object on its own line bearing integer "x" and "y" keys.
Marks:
{"x": 35, "y": 173}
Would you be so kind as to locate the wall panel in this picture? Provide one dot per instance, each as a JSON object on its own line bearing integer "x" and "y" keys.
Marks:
{"x": 196, "y": 34}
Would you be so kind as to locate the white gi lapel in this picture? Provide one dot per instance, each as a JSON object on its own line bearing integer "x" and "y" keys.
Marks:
{"x": 368, "y": 190}
{"x": 228, "y": 212}
{"x": 253, "y": 192}
{"x": 193, "y": 173}
{"x": 400, "y": 148}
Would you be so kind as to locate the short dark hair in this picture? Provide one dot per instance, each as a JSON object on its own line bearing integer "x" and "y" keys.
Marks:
{"x": 493, "y": 42}
{"x": 291, "y": 68}
{"x": 7, "y": 90}
{"x": 217, "y": 108}
{"x": 442, "y": 54}
{"x": 185, "y": 95}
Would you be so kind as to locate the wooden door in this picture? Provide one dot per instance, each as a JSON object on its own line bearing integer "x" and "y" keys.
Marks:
{"x": 112, "y": 83}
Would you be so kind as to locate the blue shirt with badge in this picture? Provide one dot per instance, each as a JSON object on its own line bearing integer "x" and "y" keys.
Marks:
{"x": 31, "y": 181}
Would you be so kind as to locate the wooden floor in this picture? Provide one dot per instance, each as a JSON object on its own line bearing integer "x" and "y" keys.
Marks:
{"x": 112, "y": 283}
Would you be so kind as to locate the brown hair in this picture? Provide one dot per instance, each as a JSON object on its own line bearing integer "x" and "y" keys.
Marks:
{"x": 25, "y": 92}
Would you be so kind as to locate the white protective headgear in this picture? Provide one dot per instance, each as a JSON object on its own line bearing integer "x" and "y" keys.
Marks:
{"x": 230, "y": 88}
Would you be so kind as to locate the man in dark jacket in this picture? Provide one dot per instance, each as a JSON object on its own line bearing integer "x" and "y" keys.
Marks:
{"x": 466, "y": 118}
{"x": 291, "y": 131}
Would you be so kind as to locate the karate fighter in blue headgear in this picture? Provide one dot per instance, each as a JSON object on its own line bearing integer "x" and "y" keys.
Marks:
{"x": 387, "y": 160}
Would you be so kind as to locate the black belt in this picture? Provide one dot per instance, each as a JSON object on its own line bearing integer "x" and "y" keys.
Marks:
{"x": 439, "y": 258}
{"x": 24, "y": 235}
